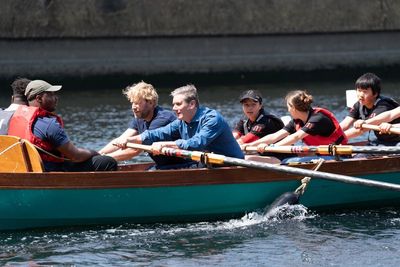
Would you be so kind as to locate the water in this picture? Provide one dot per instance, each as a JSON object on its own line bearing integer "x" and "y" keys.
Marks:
{"x": 295, "y": 236}
{"x": 301, "y": 238}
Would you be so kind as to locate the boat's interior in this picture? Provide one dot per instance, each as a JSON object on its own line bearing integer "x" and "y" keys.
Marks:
{"x": 18, "y": 155}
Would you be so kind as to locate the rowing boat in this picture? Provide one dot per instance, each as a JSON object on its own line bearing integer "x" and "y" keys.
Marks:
{"x": 31, "y": 199}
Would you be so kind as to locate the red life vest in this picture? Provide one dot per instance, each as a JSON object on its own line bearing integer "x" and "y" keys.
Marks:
{"x": 337, "y": 137}
{"x": 21, "y": 125}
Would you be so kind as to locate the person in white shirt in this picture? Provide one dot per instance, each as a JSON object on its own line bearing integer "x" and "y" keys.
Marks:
{"x": 18, "y": 93}
{"x": 18, "y": 98}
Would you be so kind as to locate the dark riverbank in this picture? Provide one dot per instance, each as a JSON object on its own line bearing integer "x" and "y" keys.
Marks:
{"x": 173, "y": 80}
{"x": 197, "y": 55}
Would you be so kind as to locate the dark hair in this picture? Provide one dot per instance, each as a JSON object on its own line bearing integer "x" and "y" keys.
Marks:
{"x": 18, "y": 90}
{"x": 299, "y": 99}
{"x": 369, "y": 80}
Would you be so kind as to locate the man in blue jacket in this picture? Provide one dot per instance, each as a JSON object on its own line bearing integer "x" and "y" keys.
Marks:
{"x": 197, "y": 128}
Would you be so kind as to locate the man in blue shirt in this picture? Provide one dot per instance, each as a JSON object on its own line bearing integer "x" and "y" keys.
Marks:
{"x": 147, "y": 116}
{"x": 197, "y": 128}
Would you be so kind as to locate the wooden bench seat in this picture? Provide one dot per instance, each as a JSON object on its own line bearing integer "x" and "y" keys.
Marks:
{"x": 18, "y": 155}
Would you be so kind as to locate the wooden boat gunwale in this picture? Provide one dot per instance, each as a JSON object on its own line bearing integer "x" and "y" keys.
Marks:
{"x": 130, "y": 176}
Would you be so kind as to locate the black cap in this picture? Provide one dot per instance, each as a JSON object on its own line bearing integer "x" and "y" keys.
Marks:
{"x": 251, "y": 94}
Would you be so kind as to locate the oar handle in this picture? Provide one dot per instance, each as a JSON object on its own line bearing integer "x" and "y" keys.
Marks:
{"x": 393, "y": 130}
{"x": 281, "y": 149}
{"x": 249, "y": 148}
{"x": 322, "y": 150}
{"x": 193, "y": 155}
{"x": 139, "y": 146}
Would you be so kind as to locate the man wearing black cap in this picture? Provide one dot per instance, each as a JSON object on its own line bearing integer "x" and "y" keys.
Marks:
{"x": 38, "y": 124}
{"x": 257, "y": 122}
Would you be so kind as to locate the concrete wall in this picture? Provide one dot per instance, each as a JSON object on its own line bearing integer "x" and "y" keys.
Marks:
{"x": 122, "y": 37}
{"x": 133, "y": 18}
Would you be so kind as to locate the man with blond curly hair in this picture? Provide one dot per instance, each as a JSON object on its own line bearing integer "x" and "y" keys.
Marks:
{"x": 147, "y": 116}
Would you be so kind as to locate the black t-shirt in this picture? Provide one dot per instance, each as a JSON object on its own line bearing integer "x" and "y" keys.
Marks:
{"x": 381, "y": 105}
{"x": 265, "y": 124}
{"x": 316, "y": 124}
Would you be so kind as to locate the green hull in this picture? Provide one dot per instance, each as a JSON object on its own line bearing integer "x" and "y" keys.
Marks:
{"x": 31, "y": 200}
{"x": 30, "y": 208}
{"x": 52, "y": 207}
{"x": 324, "y": 195}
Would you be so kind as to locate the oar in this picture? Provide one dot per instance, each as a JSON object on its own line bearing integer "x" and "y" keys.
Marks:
{"x": 329, "y": 149}
{"x": 221, "y": 159}
{"x": 393, "y": 130}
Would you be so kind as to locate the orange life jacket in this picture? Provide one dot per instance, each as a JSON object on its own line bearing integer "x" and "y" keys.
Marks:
{"x": 337, "y": 136}
{"x": 21, "y": 125}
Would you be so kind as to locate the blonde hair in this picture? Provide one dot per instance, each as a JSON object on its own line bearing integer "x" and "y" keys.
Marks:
{"x": 141, "y": 90}
{"x": 189, "y": 92}
{"x": 299, "y": 99}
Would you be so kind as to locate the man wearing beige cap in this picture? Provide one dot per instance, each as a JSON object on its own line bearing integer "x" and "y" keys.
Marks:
{"x": 38, "y": 124}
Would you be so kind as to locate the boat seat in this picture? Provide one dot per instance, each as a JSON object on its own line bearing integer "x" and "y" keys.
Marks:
{"x": 18, "y": 155}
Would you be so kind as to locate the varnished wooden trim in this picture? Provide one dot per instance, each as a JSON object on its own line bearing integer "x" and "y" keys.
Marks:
{"x": 185, "y": 177}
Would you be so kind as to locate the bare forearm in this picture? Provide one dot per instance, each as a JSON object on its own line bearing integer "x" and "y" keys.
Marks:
{"x": 135, "y": 139}
{"x": 268, "y": 139}
{"x": 76, "y": 154}
{"x": 82, "y": 154}
{"x": 109, "y": 148}
{"x": 124, "y": 154}
{"x": 353, "y": 132}
{"x": 383, "y": 117}
{"x": 289, "y": 140}
{"x": 347, "y": 123}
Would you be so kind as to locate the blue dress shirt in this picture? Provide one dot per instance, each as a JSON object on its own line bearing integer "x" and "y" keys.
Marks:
{"x": 208, "y": 131}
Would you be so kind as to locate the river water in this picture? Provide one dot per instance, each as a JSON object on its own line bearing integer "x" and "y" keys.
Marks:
{"x": 296, "y": 236}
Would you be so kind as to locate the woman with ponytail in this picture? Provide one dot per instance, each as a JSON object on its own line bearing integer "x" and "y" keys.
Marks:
{"x": 314, "y": 126}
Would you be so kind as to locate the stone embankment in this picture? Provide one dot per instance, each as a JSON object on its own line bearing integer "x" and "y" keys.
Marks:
{"x": 141, "y": 37}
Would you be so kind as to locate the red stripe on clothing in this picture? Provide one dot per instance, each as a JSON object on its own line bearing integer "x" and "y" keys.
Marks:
{"x": 248, "y": 138}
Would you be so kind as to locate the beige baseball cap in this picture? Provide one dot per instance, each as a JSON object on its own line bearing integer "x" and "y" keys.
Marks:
{"x": 36, "y": 87}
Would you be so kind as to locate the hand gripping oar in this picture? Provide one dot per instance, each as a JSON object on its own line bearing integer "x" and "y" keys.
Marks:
{"x": 221, "y": 159}
{"x": 329, "y": 149}
{"x": 393, "y": 130}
